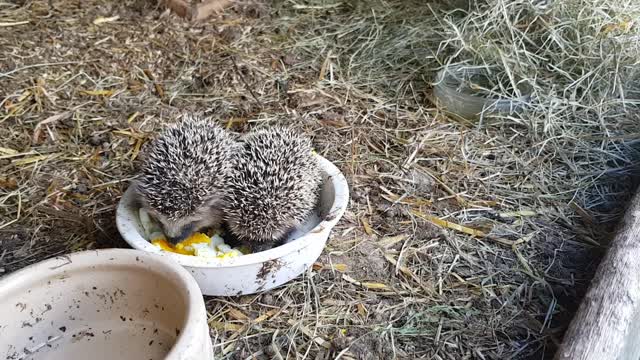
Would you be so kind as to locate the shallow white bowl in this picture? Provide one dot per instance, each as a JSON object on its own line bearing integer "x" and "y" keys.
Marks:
{"x": 256, "y": 272}
{"x": 103, "y": 305}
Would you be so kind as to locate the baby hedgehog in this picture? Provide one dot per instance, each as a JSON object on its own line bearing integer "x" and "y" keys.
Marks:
{"x": 183, "y": 177}
{"x": 273, "y": 186}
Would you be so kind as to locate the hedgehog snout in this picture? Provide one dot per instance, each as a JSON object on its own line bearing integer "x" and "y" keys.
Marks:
{"x": 177, "y": 230}
{"x": 177, "y": 234}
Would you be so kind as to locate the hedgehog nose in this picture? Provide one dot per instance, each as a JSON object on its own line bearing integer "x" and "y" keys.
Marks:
{"x": 176, "y": 239}
{"x": 185, "y": 233}
{"x": 179, "y": 238}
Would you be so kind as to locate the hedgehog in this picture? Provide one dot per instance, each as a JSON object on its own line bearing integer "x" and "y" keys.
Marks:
{"x": 273, "y": 186}
{"x": 182, "y": 177}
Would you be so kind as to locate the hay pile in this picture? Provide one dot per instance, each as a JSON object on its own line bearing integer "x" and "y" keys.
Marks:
{"x": 463, "y": 239}
{"x": 581, "y": 58}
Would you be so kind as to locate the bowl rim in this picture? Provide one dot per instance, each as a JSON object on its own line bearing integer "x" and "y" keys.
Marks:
{"x": 180, "y": 279}
{"x": 337, "y": 210}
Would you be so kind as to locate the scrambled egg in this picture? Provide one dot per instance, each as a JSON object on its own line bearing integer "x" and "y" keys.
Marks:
{"x": 164, "y": 245}
{"x": 199, "y": 245}
{"x": 202, "y": 245}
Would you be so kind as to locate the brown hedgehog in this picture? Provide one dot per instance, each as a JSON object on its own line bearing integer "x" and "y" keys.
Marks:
{"x": 183, "y": 177}
{"x": 273, "y": 186}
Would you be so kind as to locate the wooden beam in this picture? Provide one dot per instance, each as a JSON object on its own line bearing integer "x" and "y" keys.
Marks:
{"x": 210, "y": 7}
{"x": 179, "y": 7}
{"x": 199, "y": 11}
{"x": 607, "y": 324}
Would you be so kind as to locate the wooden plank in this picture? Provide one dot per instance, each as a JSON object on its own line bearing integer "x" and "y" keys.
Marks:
{"x": 607, "y": 324}
{"x": 199, "y": 11}
{"x": 210, "y": 7}
{"x": 180, "y": 8}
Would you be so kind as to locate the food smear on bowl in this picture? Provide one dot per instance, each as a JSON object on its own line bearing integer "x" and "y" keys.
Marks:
{"x": 210, "y": 246}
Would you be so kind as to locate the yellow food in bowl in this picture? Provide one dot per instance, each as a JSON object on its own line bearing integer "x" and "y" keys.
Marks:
{"x": 197, "y": 238}
{"x": 166, "y": 246}
{"x": 191, "y": 246}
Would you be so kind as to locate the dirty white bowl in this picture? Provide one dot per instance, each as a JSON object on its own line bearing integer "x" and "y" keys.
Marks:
{"x": 103, "y": 305}
{"x": 256, "y": 272}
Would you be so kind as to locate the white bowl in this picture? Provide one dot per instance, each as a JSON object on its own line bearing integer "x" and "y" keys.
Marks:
{"x": 252, "y": 273}
{"x": 103, "y": 305}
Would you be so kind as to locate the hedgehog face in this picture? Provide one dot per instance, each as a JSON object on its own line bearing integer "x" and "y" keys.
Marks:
{"x": 178, "y": 229}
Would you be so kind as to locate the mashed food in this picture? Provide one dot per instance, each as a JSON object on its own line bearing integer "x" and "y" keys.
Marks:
{"x": 210, "y": 246}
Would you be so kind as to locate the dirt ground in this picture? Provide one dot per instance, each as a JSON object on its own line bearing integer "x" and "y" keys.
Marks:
{"x": 83, "y": 84}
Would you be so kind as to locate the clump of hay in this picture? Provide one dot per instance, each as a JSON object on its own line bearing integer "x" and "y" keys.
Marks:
{"x": 581, "y": 58}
